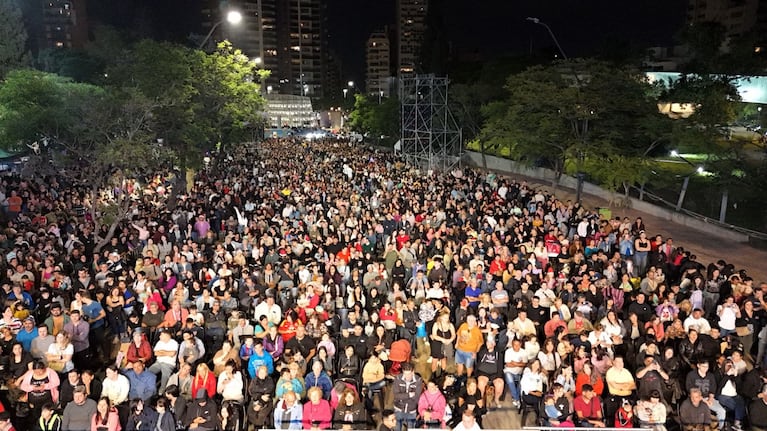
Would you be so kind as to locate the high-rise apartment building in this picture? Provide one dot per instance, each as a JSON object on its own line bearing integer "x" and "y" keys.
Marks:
{"x": 289, "y": 36}
{"x": 737, "y": 16}
{"x": 411, "y": 26}
{"x": 378, "y": 58}
{"x": 64, "y": 24}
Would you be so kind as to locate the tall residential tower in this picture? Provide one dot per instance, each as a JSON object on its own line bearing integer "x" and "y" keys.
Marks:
{"x": 411, "y": 26}
{"x": 378, "y": 58}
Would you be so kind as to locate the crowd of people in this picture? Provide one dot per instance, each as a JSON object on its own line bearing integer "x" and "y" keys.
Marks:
{"x": 314, "y": 285}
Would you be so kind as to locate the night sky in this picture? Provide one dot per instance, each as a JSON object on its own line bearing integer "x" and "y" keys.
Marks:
{"x": 490, "y": 28}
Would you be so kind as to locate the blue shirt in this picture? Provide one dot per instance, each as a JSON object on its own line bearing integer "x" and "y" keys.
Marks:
{"x": 141, "y": 385}
{"x": 25, "y": 338}
{"x": 473, "y": 292}
{"x": 322, "y": 381}
{"x": 25, "y": 297}
{"x": 92, "y": 311}
{"x": 257, "y": 360}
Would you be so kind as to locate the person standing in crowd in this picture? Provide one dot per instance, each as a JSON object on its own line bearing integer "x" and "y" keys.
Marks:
{"x": 407, "y": 389}
{"x": 78, "y": 412}
{"x": 323, "y": 252}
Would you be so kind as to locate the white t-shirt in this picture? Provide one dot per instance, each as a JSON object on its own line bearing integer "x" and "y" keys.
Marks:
{"x": 171, "y": 345}
{"x": 512, "y": 356}
{"x": 702, "y": 324}
{"x": 54, "y": 349}
{"x": 726, "y": 317}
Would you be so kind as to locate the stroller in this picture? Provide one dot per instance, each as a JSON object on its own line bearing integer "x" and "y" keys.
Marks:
{"x": 400, "y": 352}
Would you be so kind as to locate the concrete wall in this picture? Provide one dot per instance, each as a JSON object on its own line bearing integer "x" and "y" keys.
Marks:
{"x": 547, "y": 176}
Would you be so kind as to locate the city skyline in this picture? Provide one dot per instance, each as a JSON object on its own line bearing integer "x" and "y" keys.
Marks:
{"x": 478, "y": 32}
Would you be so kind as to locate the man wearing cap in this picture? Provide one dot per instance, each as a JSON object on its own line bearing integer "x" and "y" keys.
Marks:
{"x": 202, "y": 413}
{"x": 78, "y": 412}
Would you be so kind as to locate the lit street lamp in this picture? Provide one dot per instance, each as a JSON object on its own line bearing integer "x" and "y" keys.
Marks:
{"x": 551, "y": 33}
{"x": 233, "y": 17}
{"x": 579, "y": 175}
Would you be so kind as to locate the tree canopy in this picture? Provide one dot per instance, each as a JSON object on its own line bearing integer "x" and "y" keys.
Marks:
{"x": 564, "y": 113}
{"x": 154, "y": 107}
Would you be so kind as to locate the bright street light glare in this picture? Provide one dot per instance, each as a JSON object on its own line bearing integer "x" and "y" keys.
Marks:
{"x": 700, "y": 169}
{"x": 350, "y": 84}
{"x": 257, "y": 60}
{"x": 674, "y": 153}
{"x": 234, "y": 17}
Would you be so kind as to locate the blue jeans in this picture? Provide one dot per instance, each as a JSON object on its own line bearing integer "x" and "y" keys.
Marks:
{"x": 407, "y": 418}
{"x": 512, "y": 381}
{"x": 735, "y": 404}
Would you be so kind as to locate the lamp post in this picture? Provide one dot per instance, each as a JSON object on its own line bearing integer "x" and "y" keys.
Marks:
{"x": 579, "y": 175}
{"x": 233, "y": 17}
{"x": 349, "y": 86}
{"x": 551, "y": 33}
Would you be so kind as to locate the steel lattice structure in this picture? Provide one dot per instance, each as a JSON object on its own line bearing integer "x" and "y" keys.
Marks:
{"x": 431, "y": 138}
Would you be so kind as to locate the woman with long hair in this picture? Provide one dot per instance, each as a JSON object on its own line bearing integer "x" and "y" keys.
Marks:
{"x": 350, "y": 412}
{"x": 231, "y": 382}
{"x": 140, "y": 418}
{"x": 230, "y": 416}
{"x": 59, "y": 354}
{"x": 115, "y": 308}
{"x": 588, "y": 375}
{"x": 204, "y": 379}
{"x": 442, "y": 336}
{"x": 165, "y": 419}
{"x": 106, "y": 417}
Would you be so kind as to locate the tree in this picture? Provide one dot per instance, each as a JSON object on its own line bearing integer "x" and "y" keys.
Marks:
{"x": 376, "y": 119}
{"x": 102, "y": 140}
{"x": 714, "y": 99}
{"x": 565, "y": 113}
{"x": 228, "y": 93}
{"x": 13, "y": 38}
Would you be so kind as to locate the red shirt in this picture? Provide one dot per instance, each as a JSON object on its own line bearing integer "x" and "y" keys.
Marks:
{"x": 589, "y": 410}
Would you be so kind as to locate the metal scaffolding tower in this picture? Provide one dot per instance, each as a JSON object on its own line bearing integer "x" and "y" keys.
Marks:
{"x": 431, "y": 138}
